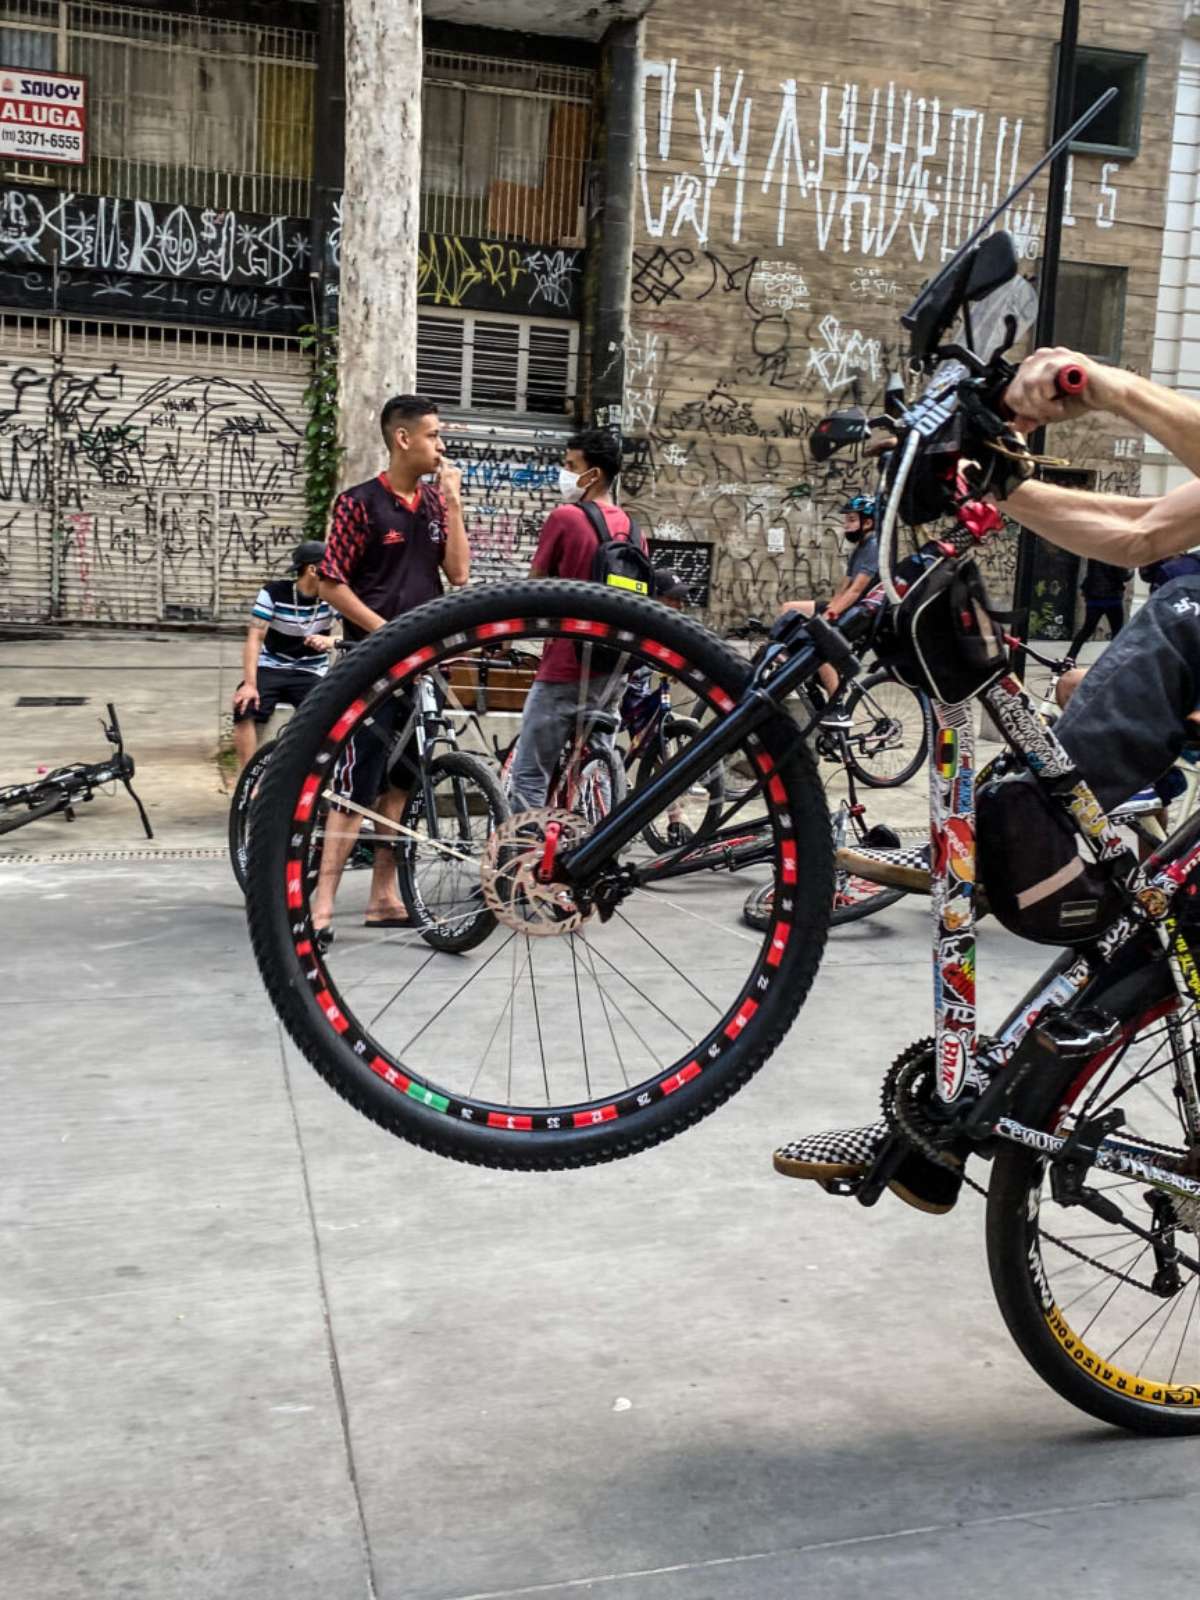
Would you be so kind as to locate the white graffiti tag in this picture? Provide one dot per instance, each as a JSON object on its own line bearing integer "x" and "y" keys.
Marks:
{"x": 844, "y": 356}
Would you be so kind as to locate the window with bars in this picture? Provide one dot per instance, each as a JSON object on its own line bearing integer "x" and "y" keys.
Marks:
{"x": 180, "y": 108}
{"x": 501, "y": 364}
{"x": 506, "y": 145}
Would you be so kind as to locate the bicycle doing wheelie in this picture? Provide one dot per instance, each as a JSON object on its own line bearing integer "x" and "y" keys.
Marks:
{"x": 600, "y": 1019}
{"x": 65, "y": 788}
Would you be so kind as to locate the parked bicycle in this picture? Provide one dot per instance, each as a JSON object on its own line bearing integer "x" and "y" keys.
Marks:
{"x": 452, "y": 809}
{"x": 599, "y": 1021}
{"x": 60, "y": 791}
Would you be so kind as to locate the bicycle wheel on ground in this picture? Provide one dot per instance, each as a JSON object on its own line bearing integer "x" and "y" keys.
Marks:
{"x": 564, "y": 1037}
{"x": 601, "y": 783}
{"x": 239, "y": 810}
{"x": 1108, "y": 1317}
{"x": 16, "y": 814}
{"x": 890, "y": 729}
{"x": 853, "y": 899}
{"x": 699, "y": 807}
{"x": 438, "y": 873}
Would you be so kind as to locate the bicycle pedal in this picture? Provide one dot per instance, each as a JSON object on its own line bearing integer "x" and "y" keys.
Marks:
{"x": 840, "y": 1186}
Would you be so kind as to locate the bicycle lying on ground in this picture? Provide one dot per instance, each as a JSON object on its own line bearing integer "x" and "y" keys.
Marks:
{"x": 67, "y": 787}
{"x": 602, "y": 1018}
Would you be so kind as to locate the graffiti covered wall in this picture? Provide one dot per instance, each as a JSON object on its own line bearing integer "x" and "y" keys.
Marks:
{"x": 784, "y": 221}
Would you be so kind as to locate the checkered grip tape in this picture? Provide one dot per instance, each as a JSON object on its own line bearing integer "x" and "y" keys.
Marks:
{"x": 907, "y": 856}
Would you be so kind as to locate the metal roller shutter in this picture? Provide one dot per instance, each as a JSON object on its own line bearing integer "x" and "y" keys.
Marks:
{"x": 181, "y": 482}
{"x": 26, "y": 446}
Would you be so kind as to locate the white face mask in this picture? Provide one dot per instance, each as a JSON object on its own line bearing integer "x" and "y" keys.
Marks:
{"x": 568, "y": 483}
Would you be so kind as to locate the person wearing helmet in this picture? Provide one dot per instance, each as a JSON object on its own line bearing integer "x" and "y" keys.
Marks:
{"x": 862, "y": 573}
{"x": 287, "y": 647}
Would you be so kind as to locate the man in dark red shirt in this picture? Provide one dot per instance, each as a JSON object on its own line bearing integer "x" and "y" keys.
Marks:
{"x": 390, "y": 540}
{"x": 558, "y": 701}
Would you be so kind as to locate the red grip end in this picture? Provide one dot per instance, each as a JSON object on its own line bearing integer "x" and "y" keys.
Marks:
{"x": 1071, "y": 380}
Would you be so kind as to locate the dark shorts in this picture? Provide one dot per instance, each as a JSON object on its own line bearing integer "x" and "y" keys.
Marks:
{"x": 370, "y": 763}
{"x": 279, "y": 686}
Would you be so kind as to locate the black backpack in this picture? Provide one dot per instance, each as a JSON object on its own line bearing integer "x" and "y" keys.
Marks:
{"x": 620, "y": 563}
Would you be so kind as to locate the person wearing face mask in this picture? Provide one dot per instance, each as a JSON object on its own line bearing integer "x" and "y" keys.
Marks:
{"x": 567, "y": 549}
{"x": 862, "y": 573}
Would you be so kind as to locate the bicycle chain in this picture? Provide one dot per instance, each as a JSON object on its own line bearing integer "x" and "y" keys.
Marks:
{"x": 902, "y": 1112}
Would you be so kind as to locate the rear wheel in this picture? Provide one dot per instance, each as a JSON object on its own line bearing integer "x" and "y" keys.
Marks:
{"x": 564, "y": 1037}
{"x": 439, "y": 873}
{"x": 889, "y": 734}
{"x": 239, "y": 810}
{"x": 1108, "y": 1317}
{"x": 601, "y": 784}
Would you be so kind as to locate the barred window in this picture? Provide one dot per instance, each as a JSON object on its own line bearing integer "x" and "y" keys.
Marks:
{"x": 492, "y": 363}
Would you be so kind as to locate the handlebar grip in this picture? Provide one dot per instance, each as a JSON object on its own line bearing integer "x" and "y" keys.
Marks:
{"x": 1071, "y": 381}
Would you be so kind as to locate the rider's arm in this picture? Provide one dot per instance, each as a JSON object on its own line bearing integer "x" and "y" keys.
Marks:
{"x": 247, "y": 690}
{"x": 1110, "y": 527}
{"x": 1170, "y": 418}
{"x": 849, "y": 593}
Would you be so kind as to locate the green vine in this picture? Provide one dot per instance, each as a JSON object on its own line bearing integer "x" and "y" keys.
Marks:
{"x": 322, "y": 455}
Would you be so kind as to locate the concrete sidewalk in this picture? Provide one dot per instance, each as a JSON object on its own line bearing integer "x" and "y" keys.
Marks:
{"x": 173, "y": 693}
{"x": 252, "y": 1346}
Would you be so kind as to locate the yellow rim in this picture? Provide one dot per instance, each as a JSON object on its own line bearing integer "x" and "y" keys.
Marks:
{"x": 1116, "y": 1378}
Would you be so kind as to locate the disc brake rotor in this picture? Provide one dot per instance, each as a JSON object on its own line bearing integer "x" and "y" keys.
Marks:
{"x": 513, "y": 873}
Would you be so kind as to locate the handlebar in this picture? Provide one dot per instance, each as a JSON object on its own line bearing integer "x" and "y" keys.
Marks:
{"x": 1071, "y": 381}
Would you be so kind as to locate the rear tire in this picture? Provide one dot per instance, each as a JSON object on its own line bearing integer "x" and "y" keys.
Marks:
{"x": 702, "y": 805}
{"x": 444, "y": 911}
{"x": 239, "y": 811}
{"x": 891, "y": 726}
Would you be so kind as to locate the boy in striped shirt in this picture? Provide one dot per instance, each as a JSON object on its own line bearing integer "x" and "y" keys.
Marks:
{"x": 287, "y": 647}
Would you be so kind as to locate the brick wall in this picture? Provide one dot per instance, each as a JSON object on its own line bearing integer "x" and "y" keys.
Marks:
{"x": 802, "y": 171}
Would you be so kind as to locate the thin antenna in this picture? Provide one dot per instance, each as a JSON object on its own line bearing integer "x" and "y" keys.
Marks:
{"x": 909, "y": 318}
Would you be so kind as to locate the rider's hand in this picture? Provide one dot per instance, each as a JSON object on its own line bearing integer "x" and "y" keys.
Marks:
{"x": 449, "y": 481}
{"x": 1033, "y": 397}
{"x": 318, "y": 641}
{"x": 245, "y": 697}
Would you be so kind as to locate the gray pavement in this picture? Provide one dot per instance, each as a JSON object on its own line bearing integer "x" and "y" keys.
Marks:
{"x": 254, "y": 1346}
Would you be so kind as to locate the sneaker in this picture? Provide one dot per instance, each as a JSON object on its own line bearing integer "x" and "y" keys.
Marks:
{"x": 849, "y": 1153}
{"x": 835, "y": 720}
{"x": 906, "y": 868}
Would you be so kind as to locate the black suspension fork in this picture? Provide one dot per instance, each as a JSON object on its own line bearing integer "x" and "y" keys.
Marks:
{"x": 798, "y": 646}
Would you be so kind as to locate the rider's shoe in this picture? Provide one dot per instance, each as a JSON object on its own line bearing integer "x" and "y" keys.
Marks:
{"x": 849, "y": 1153}
{"x": 835, "y": 719}
{"x": 906, "y": 868}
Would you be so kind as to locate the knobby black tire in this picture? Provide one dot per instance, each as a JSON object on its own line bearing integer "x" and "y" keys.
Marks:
{"x": 467, "y": 769}
{"x": 1011, "y": 1248}
{"x": 683, "y": 731}
{"x": 13, "y": 817}
{"x": 239, "y": 811}
{"x": 921, "y": 716}
{"x": 779, "y": 980}
{"x": 856, "y": 910}
{"x": 599, "y": 755}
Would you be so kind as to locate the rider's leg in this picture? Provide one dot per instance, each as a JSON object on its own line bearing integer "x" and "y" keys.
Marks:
{"x": 384, "y": 904}
{"x": 826, "y": 675}
{"x": 1068, "y": 684}
{"x": 245, "y": 739}
{"x": 545, "y": 725}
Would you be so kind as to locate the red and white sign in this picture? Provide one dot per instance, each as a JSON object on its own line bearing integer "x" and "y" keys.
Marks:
{"x": 43, "y": 116}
